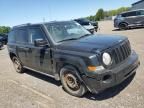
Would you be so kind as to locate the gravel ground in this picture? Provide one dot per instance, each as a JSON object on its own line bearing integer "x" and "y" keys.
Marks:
{"x": 32, "y": 90}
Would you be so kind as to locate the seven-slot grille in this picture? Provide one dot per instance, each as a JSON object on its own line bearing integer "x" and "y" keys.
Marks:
{"x": 121, "y": 52}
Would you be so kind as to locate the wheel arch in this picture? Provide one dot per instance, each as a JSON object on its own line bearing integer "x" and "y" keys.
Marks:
{"x": 11, "y": 54}
{"x": 123, "y": 23}
{"x": 74, "y": 62}
{"x": 61, "y": 65}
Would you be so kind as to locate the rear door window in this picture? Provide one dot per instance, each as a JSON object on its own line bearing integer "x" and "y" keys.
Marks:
{"x": 142, "y": 12}
{"x": 22, "y": 36}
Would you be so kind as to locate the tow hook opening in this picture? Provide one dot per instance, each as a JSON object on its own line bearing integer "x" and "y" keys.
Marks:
{"x": 107, "y": 78}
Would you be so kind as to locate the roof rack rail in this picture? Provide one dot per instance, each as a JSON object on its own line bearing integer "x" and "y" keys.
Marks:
{"x": 22, "y": 25}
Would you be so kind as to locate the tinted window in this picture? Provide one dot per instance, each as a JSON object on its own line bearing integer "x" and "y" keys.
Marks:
{"x": 22, "y": 36}
{"x": 129, "y": 14}
{"x": 142, "y": 12}
{"x": 124, "y": 15}
{"x": 83, "y": 21}
{"x": 11, "y": 37}
{"x": 36, "y": 33}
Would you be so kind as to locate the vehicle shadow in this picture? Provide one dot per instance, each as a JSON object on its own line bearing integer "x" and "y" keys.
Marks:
{"x": 111, "y": 92}
{"x": 42, "y": 77}
{"x": 134, "y": 28}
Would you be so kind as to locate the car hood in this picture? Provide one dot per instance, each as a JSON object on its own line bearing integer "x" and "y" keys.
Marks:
{"x": 91, "y": 43}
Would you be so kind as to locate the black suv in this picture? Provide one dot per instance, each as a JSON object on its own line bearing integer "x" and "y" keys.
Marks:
{"x": 3, "y": 38}
{"x": 1, "y": 45}
{"x": 69, "y": 53}
{"x": 1, "y": 42}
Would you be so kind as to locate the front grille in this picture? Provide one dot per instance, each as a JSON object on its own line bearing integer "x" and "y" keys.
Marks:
{"x": 121, "y": 52}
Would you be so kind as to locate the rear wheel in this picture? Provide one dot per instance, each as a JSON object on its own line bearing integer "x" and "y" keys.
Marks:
{"x": 71, "y": 82}
{"x": 17, "y": 65}
{"x": 123, "y": 26}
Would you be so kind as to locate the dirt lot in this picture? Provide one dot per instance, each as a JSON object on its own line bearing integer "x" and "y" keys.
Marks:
{"x": 31, "y": 90}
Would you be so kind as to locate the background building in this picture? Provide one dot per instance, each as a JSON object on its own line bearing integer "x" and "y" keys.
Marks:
{"x": 138, "y": 5}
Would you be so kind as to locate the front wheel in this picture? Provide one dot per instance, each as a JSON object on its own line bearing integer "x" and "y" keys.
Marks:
{"x": 71, "y": 82}
{"x": 123, "y": 26}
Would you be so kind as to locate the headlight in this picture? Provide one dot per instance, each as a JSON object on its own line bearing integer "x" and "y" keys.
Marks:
{"x": 106, "y": 58}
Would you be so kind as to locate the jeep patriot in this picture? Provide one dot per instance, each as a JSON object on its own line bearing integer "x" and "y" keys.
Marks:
{"x": 68, "y": 52}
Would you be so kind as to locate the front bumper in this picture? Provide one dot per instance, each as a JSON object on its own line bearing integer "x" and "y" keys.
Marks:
{"x": 112, "y": 77}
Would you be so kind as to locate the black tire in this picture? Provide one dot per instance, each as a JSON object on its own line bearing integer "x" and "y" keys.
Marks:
{"x": 17, "y": 65}
{"x": 71, "y": 82}
{"x": 123, "y": 26}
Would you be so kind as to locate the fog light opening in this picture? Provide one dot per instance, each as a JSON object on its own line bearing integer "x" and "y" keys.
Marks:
{"x": 107, "y": 78}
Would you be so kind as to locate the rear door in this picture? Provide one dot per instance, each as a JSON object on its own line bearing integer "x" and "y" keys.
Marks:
{"x": 22, "y": 45}
{"x": 40, "y": 56}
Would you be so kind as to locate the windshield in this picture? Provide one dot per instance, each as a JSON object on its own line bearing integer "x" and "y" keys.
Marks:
{"x": 61, "y": 31}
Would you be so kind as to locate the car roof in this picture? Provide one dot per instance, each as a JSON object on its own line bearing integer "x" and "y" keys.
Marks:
{"x": 132, "y": 11}
{"x": 37, "y": 24}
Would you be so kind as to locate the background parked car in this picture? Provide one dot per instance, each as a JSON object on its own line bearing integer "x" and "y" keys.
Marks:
{"x": 1, "y": 43}
{"x": 95, "y": 24}
{"x": 129, "y": 19}
{"x": 86, "y": 24}
{"x": 3, "y": 38}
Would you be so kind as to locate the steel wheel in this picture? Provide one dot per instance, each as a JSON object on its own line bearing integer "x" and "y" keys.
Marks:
{"x": 71, "y": 81}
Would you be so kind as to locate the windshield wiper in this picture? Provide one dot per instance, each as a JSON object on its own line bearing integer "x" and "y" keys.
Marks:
{"x": 68, "y": 39}
{"x": 84, "y": 35}
{"x": 74, "y": 38}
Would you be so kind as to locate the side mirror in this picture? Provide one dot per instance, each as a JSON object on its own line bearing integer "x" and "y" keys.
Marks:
{"x": 40, "y": 42}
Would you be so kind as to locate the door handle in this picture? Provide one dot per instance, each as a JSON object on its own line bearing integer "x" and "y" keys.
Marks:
{"x": 25, "y": 48}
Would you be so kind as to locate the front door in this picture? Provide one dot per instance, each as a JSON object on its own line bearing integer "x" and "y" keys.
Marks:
{"x": 131, "y": 17}
{"x": 40, "y": 56}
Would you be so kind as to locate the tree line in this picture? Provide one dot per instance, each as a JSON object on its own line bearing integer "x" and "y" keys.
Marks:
{"x": 4, "y": 29}
{"x": 101, "y": 14}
